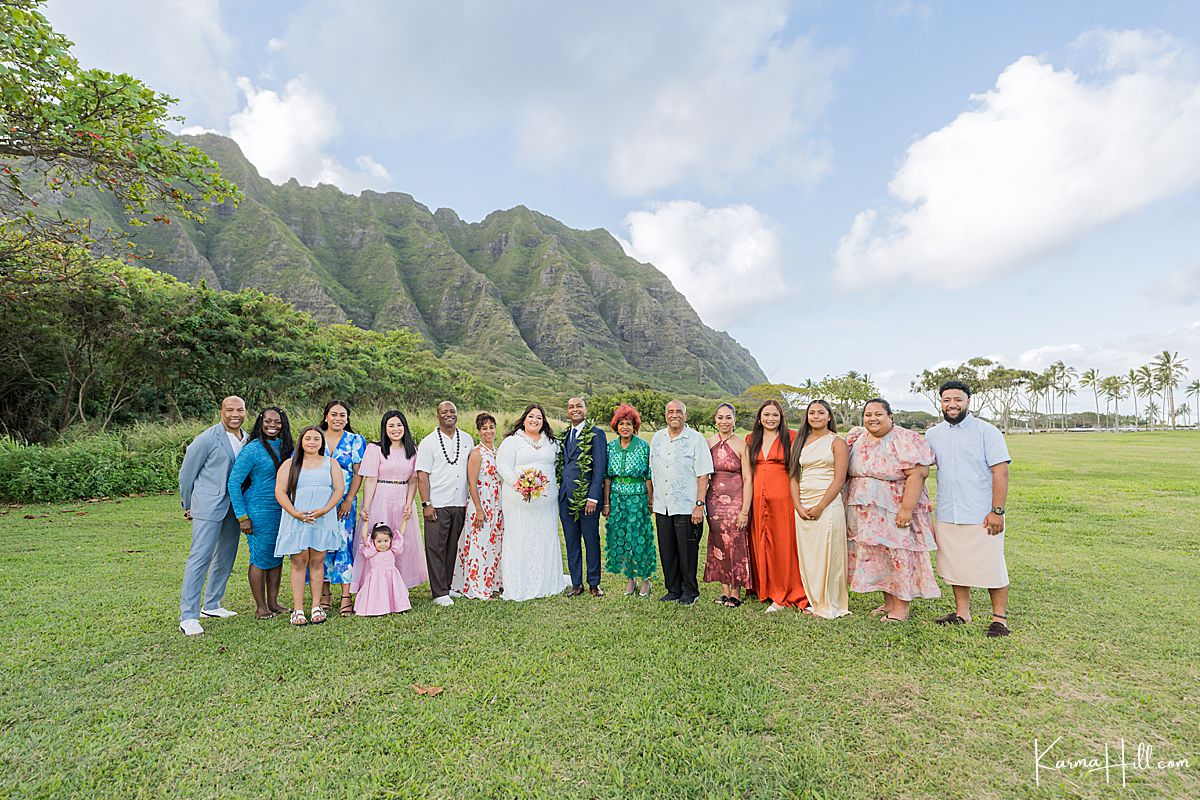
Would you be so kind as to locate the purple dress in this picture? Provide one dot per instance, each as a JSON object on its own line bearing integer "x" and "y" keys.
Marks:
{"x": 391, "y": 493}
{"x": 728, "y": 545}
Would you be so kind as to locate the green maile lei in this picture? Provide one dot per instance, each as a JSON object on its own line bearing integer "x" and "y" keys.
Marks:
{"x": 579, "y": 497}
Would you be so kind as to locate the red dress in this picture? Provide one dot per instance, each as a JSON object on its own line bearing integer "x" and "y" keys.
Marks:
{"x": 773, "y": 556}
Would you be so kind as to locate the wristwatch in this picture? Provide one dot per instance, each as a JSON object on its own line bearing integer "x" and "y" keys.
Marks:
{"x": 998, "y": 510}
{"x": 699, "y": 504}
{"x": 426, "y": 504}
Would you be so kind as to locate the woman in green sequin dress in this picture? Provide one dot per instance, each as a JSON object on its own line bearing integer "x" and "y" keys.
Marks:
{"x": 628, "y": 498}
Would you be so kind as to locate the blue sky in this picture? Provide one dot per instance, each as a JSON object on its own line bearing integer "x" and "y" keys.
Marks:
{"x": 881, "y": 186}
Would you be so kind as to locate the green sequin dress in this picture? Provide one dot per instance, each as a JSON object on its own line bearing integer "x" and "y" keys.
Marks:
{"x": 629, "y": 532}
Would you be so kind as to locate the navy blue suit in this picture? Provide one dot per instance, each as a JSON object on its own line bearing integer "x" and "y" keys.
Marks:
{"x": 587, "y": 527}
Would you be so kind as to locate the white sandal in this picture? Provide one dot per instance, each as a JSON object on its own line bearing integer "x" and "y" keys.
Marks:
{"x": 318, "y": 615}
{"x": 297, "y": 617}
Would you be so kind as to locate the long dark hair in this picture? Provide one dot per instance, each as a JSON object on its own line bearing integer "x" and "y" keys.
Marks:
{"x": 802, "y": 436}
{"x": 385, "y": 443}
{"x": 756, "y": 435}
{"x": 520, "y": 424}
{"x": 286, "y": 444}
{"x": 324, "y": 426}
{"x": 298, "y": 459}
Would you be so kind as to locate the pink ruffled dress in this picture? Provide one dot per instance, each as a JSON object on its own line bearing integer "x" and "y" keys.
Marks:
{"x": 881, "y": 557}
{"x": 383, "y": 590}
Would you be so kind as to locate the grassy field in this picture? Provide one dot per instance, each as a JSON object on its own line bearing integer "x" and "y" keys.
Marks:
{"x": 618, "y": 697}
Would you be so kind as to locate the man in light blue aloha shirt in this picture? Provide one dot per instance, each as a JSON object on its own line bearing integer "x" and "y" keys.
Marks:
{"x": 680, "y": 466}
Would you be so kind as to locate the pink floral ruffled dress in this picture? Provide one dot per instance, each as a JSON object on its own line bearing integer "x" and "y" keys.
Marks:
{"x": 477, "y": 571}
{"x": 881, "y": 556}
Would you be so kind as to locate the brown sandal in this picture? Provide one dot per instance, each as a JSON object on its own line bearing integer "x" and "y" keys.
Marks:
{"x": 346, "y": 608}
{"x": 951, "y": 619}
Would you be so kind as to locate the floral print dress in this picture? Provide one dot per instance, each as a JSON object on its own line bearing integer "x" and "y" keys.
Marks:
{"x": 477, "y": 571}
{"x": 629, "y": 533}
{"x": 339, "y": 564}
{"x": 728, "y": 559}
{"x": 881, "y": 556}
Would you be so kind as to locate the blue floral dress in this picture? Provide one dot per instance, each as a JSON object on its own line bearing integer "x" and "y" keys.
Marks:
{"x": 339, "y": 564}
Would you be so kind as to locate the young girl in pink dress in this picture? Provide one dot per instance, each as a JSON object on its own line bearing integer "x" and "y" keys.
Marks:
{"x": 383, "y": 590}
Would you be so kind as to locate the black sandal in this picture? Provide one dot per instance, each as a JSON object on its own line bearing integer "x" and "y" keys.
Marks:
{"x": 732, "y": 602}
{"x": 346, "y": 607}
{"x": 722, "y": 600}
{"x": 998, "y": 628}
{"x": 951, "y": 619}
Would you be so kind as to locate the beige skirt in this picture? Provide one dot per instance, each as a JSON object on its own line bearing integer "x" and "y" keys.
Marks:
{"x": 821, "y": 546}
{"x": 968, "y": 555}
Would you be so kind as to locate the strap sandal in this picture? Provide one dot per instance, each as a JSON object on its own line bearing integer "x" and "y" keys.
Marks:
{"x": 722, "y": 600}
{"x": 951, "y": 619}
{"x": 318, "y": 615}
{"x": 297, "y": 617}
{"x": 998, "y": 628}
{"x": 732, "y": 602}
{"x": 347, "y": 606}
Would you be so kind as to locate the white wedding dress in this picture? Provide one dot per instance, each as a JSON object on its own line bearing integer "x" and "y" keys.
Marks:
{"x": 531, "y": 558}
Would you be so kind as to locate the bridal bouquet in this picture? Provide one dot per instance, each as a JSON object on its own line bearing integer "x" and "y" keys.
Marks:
{"x": 531, "y": 483}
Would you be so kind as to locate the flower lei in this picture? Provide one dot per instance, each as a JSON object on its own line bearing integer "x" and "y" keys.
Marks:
{"x": 579, "y": 496}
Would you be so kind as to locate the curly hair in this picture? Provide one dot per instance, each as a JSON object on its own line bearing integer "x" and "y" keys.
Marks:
{"x": 626, "y": 411}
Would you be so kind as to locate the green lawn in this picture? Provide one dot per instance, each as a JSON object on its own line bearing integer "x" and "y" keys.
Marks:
{"x": 617, "y": 697}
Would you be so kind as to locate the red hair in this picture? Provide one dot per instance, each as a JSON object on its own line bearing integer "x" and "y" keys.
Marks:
{"x": 626, "y": 411}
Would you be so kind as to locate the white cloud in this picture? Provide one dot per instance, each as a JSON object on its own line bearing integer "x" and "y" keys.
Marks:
{"x": 178, "y": 47}
{"x": 723, "y": 260}
{"x": 285, "y": 135}
{"x": 1044, "y": 157}
{"x": 656, "y": 95}
{"x": 1117, "y": 356}
{"x": 275, "y": 45}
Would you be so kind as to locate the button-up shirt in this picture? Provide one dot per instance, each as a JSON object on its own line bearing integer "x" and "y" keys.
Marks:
{"x": 966, "y": 453}
{"x": 675, "y": 465}
{"x": 447, "y": 481}
{"x": 236, "y": 440}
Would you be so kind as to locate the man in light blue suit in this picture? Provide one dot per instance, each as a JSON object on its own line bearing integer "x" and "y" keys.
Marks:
{"x": 215, "y": 531}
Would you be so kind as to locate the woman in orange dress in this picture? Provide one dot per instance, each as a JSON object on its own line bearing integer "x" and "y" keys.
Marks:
{"x": 773, "y": 558}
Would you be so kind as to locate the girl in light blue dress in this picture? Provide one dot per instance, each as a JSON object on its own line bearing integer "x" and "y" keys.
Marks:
{"x": 308, "y": 487}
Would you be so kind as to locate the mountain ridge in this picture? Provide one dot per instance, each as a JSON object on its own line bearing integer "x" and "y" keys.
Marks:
{"x": 518, "y": 296}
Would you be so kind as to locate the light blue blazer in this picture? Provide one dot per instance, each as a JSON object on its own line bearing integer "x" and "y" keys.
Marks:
{"x": 204, "y": 475}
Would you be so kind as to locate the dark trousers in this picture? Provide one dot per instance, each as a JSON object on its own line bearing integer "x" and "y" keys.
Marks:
{"x": 587, "y": 529}
{"x": 679, "y": 549}
{"x": 441, "y": 547}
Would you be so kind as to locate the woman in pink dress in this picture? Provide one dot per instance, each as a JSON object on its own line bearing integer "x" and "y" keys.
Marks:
{"x": 889, "y": 521}
{"x": 477, "y": 572}
{"x": 389, "y": 487}
{"x": 728, "y": 511}
{"x": 383, "y": 591}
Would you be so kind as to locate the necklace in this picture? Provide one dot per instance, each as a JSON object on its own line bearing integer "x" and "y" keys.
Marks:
{"x": 457, "y": 447}
{"x": 535, "y": 445}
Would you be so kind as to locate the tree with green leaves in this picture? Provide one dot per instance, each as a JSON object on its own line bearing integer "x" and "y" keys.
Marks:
{"x": 1169, "y": 369}
{"x": 1091, "y": 379}
{"x": 63, "y": 127}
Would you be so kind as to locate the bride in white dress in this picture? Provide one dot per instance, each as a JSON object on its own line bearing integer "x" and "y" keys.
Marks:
{"x": 531, "y": 559}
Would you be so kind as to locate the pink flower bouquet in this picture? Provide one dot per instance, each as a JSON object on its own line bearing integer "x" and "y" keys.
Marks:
{"x": 531, "y": 483}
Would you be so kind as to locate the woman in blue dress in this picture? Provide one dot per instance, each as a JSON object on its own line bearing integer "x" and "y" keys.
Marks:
{"x": 252, "y": 492}
{"x": 346, "y": 448}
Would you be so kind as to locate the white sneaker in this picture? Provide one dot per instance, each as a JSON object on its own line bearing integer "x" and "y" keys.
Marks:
{"x": 190, "y": 627}
{"x": 443, "y": 601}
{"x": 223, "y": 613}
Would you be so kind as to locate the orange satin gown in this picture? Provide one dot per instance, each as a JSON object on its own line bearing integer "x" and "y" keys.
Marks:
{"x": 773, "y": 554}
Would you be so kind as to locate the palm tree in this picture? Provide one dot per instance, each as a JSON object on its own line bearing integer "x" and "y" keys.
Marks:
{"x": 1169, "y": 369}
{"x": 1146, "y": 385}
{"x": 1114, "y": 390}
{"x": 1193, "y": 391}
{"x": 1066, "y": 388}
{"x": 1132, "y": 382}
{"x": 1091, "y": 379}
{"x": 1151, "y": 412}
{"x": 1184, "y": 411}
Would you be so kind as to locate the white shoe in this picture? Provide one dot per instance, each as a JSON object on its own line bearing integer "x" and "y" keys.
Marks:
{"x": 455, "y": 595}
{"x": 190, "y": 627}
{"x": 222, "y": 613}
{"x": 444, "y": 600}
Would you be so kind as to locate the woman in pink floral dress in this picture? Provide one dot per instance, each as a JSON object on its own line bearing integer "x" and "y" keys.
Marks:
{"x": 889, "y": 521}
{"x": 728, "y": 507}
{"x": 477, "y": 572}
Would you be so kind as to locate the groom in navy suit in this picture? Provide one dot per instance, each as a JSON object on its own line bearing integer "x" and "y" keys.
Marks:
{"x": 580, "y": 489}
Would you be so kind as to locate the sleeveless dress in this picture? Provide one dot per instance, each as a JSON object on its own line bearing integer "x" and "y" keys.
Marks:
{"x": 477, "y": 570}
{"x": 339, "y": 561}
{"x": 531, "y": 562}
{"x": 728, "y": 559}
{"x": 881, "y": 556}
{"x": 821, "y": 543}
{"x": 773, "y": 531}
{"x": 314, "y": 487}
{"x": 387, "y": 505}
